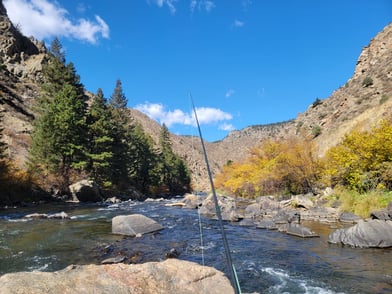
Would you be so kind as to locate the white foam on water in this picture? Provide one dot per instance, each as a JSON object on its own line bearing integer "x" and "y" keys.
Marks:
{"x": 19, "y": 220}
{"x": 286, "y": 284}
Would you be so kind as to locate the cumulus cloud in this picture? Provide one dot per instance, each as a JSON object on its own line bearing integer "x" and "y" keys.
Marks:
{"x": 206, "y": 115}
{"x": 44, "y": 19}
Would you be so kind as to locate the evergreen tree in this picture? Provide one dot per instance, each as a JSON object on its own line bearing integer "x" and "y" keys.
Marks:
{"x": 100, "y": 140}
{"x": 3, "y": 145}
{"x": 143, "y": 167}
{"x": 59, "y": 134}
{"x": 3, "y": 148}
{"x": 175, "y": 174}
{"x": 122, "y": 135}
{"x": 118, "y": 99}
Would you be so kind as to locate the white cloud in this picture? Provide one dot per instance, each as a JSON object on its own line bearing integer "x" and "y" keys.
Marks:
{"x": 201, "y": 5}
{"x": 238, "y": 24}
{"x": 226, "y": 127}
{"x": 44, "y": 19}
{"x": 229, "y": 93}
{"x": 168, "y": 3}
{"x": 206, "y": 115}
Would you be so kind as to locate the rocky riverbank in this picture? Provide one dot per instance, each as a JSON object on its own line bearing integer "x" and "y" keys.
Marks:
{"x": 169, "y": 276}
{"x": 288, "y": 216}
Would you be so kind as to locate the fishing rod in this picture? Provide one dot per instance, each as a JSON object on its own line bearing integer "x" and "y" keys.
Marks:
{"x": 232, "y": 271}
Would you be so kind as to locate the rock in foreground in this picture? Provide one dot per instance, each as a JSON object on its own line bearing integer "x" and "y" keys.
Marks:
{"x": 365, "y": 234}
{"x": 170, "y": 276}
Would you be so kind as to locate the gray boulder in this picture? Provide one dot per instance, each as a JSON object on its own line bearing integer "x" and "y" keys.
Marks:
{"x": 383, "y": 214}
{"x": 169, "y": 276}
{"x": 192, "y": 201}
{"x": 365, "y": 234}
{"x": 85, "y": 191}
{"x": 303, "y": 201}
{"x": 227, "y": 205}
{"x": 348, "y": 217}
{"x": 300, "y": 231}
{"x": 134, "y": 225}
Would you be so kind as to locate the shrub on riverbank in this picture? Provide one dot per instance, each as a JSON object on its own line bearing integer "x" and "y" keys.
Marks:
{"x": 361, "y": 204}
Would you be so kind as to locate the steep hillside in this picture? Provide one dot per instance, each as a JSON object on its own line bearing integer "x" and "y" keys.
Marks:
{"x": 21, "y": 60}
{"x": 359, "y": 104}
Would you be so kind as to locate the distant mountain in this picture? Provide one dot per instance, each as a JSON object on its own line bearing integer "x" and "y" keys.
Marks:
{"x": 359, "y": 104}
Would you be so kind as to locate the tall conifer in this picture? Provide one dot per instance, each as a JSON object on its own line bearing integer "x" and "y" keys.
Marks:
{"x": 100, "y": 138}
{"x": 59, "y": 134}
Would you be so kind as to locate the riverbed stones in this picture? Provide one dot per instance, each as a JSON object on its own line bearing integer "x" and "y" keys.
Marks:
{"x": 365, "y": 234}
{"x": 134, "y": 225}
{"x": 169, "y": 276}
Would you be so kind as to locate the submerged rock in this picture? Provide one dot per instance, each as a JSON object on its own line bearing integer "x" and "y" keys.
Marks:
{"x": 169, "y": 276}
{"x": 134, "y": 225}
{"x": 300, "y": 231}
{"x": 365, "y": 234}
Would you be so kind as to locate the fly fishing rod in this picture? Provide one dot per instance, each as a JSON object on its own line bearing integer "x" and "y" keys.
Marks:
{"x": 232, "y": 271}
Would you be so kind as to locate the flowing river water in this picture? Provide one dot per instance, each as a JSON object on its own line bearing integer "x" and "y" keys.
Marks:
{"x": 266, "y": 261}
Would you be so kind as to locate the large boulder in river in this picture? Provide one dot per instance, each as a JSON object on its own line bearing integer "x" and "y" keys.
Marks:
{"x": 134, "y": 225}
{"x": 372, "y": 233}
{"x": 169, "y": 276}
{"x": 85, "y": 191}
{"x": 227, "y": 207}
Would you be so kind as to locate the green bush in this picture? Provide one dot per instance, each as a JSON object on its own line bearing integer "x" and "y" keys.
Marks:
{"x": 368, "y": 81}
{"x": 383, "y": 98}
{"x": 316, "y": 131}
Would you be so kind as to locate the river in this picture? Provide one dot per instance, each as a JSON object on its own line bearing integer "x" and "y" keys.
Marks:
{"x": 265, "y": 261}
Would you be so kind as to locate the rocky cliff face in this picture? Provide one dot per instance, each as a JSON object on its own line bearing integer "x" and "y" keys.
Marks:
{"x": 21, "y": 60}
{"x": 359, "y": 104}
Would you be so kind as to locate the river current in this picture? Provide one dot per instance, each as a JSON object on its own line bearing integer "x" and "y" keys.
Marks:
{"x": 265, "y": 261}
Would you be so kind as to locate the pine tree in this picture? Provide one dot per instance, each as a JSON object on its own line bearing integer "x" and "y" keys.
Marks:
{"x": 3, "y": 148}
{"x": 118, "y": 99}
{"x": 59, "y": 134}
{"x": 175, "y": 173}
{"x": 122, "y": 135}
{"x": 100, "y": 140}
{"x": 143, "y": 167}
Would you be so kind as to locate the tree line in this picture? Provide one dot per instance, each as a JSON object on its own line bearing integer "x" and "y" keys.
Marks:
{"x": 76, "y": 136}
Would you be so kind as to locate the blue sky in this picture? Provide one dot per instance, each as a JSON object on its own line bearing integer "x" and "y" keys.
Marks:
{"x": 245, "y": 62}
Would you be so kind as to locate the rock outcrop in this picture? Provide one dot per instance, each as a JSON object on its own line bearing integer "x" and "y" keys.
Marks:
{"x": 170, "y": 276}
{"x": 365, "y": 234}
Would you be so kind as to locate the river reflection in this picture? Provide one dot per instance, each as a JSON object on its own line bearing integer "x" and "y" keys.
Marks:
{"x": 266, "y": 261}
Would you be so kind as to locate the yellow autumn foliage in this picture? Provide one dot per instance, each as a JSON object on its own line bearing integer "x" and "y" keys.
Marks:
{"x": 363, "y": 160}
{"x": 277, "y": 166}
